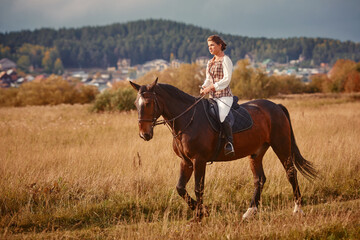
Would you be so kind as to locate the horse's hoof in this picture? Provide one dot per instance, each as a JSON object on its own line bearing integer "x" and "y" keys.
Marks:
{"x": 251, "y": 212}
{"x": 195, "y": 219}
{"x": 298, "y": 210}
{"x": 200, "y": 212}
{"x": 205, "y": 211}
{"x": 198, "y": 217}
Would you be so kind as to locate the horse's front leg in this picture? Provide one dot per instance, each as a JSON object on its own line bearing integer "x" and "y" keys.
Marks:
{"x": 186, "y": 169}
{"x": 199, "y": 172}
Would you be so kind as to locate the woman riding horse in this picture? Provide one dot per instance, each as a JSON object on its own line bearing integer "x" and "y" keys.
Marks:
{"x": 195, "y": 140}
{"x": 217, "y": 83}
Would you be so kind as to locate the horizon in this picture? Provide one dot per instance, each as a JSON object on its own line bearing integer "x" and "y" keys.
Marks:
{"x": 274, "y": 20}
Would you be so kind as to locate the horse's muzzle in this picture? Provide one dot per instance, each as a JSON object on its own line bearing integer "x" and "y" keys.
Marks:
{"x": 146, "y": 136}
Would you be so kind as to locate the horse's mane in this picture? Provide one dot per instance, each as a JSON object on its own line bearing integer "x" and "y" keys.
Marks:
{"x": 174, "y": 91}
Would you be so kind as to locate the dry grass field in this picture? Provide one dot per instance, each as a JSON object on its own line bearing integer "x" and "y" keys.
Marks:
{"x": 66, "y": 173}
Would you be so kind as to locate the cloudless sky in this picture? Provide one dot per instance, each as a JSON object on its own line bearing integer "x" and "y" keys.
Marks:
{"x": 337, "y": 19}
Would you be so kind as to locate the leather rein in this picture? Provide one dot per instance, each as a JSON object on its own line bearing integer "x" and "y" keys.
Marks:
{"x": 156, "y": 122}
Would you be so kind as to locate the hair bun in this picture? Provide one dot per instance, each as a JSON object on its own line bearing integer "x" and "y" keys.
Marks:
{"x": 218, "y": 41}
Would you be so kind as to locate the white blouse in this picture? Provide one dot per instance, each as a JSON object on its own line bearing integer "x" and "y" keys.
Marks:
{"x": 225, "y": 81}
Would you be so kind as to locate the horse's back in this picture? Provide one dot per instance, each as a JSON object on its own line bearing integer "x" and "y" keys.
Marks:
{"x": 267, "y": 107}
{"x": 261, "y": 103}
{"x": 268, "y": 114}
{"x": 276, "y": 117}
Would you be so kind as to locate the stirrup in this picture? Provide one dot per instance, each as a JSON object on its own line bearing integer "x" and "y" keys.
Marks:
{"x": 227, "y": 151}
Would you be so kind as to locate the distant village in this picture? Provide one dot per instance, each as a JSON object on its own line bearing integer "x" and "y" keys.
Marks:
{"x": 104, "y": 78}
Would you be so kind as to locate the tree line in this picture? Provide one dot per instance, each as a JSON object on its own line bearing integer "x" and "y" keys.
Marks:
{"x": 146, "y": 40}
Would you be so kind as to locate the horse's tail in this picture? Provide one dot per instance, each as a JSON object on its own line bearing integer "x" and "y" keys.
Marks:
{"x": 304, "y": 166}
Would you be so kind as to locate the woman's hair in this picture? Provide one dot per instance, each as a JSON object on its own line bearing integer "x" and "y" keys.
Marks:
{"x": 216, "y": 39}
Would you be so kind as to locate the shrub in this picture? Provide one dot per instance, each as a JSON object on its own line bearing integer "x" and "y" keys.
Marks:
{"x": 187, "y": 78}
{"x": 51, "y": 91}
{"x": 123, "y": 99}
{"x": 352, "y": 83}
{"x": 250, "y": 83}
{"x": 343, "y": 77}
{"x": 8, "y": 97}
{"x": 288, "y": 84}
{"x": 102, "y": 102}
{"x": 86, "y": 94}
{"x": 120, "y": 99}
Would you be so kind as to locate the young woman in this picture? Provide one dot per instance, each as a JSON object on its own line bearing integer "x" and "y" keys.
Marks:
{"x": 217, "y": 84}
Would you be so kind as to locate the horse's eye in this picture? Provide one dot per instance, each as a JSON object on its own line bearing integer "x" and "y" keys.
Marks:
{"x": 147, "y": 102}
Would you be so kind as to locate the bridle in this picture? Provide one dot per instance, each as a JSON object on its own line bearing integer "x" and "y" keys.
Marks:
{"x": 153, "y": 120}
{"x": 156, "y": 113}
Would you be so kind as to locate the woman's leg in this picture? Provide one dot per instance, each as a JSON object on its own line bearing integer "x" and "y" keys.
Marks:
{"x": 224, "y": 105}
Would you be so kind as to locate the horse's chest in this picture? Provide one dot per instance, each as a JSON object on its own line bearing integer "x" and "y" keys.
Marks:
{"x": 189, "y": 146}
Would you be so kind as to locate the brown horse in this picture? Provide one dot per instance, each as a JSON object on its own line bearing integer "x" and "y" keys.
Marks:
{"x": 195, "y": 141}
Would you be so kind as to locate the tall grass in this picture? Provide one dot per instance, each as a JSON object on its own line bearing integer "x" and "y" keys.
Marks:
{"x": 66, "y": 172}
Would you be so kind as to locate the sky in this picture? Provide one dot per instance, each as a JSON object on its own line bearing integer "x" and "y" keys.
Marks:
{"x": 336, "y": 19}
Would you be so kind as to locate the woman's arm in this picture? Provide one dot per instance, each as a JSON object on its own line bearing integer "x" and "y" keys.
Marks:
{"x": 207, "y": 79}
{"x": 227, "y": 70}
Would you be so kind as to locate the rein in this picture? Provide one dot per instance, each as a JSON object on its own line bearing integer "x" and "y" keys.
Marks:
{"x": 164, "y": 121}
{"x": 156, "y": 122}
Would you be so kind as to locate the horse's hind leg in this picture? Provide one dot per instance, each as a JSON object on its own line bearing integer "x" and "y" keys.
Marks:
{"x": 186, "y": 170}
{"x": 259, "y": 179}
{"x": 284, "y": 154}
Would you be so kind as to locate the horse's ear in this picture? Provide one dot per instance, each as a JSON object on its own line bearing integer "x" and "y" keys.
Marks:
{"x": 135, "y": 86}
{"x": 152, "y": 86}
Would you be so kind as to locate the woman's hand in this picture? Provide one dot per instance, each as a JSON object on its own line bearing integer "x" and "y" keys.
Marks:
{"x": 210, "y": 88}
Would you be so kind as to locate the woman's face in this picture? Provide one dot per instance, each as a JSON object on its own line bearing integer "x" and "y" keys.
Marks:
{"x": 214, "y": 48}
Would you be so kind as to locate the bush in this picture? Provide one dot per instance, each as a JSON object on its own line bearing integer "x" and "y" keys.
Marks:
{"x": 102, "y": 102}
{"x": 343, "y": 77}
{"x": 51, "y": 91}
{"x": 120, "y": 99}
{"x": 8, "y": 97}
{"x": 187, "y": 78}
{"x": 86, "y": 94}
{"x": 123, "y": 99}
{"x": 288, "y": 84}
{"x": 250, "y": 83}
{"x": 320, "y": 83}
{"x": 352, "y": 83}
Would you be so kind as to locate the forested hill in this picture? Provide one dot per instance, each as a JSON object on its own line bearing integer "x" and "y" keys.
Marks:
{"x": 146, "y": 40}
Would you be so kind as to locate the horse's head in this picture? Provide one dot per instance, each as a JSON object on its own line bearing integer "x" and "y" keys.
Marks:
{"x": 148, "y": 109}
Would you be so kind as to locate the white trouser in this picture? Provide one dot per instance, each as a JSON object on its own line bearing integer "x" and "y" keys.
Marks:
{"x": 224, "y": 104}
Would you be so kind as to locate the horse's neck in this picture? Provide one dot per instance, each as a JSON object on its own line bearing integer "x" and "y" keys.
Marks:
{"x": 174, "y": 105}
{"x": 174, "y": 108}
{"x": 180, "y": 110}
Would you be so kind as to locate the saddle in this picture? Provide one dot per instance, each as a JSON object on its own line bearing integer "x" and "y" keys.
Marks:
{"x": 242, "y": 118}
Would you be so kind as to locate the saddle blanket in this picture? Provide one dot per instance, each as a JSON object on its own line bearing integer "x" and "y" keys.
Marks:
{"x": 242, "y": 118}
